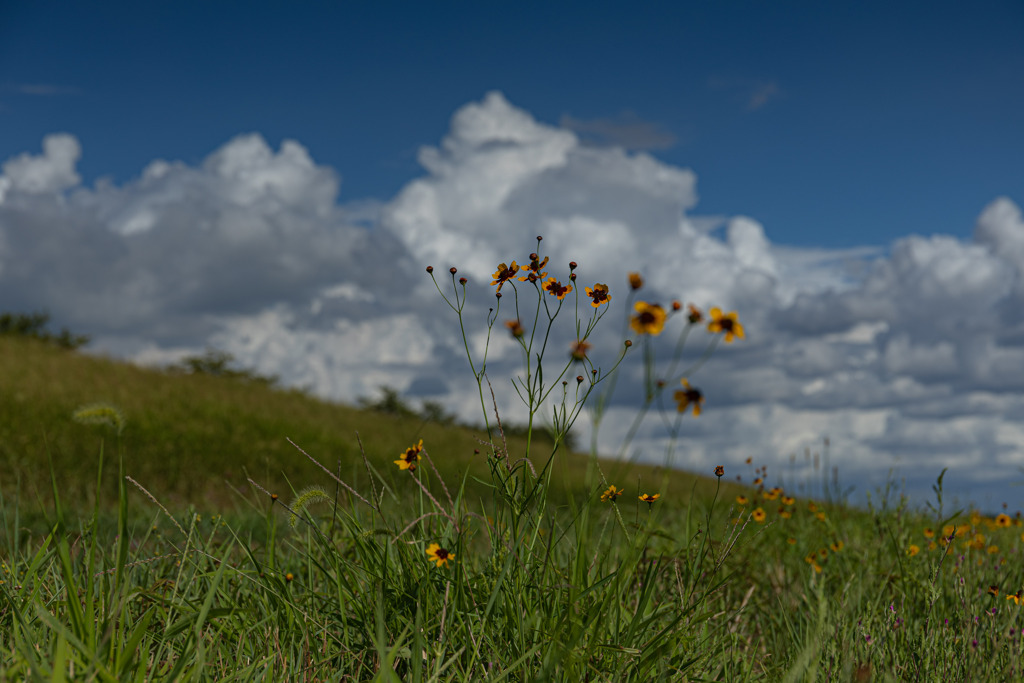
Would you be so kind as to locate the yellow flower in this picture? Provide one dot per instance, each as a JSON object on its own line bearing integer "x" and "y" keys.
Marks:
{"x": 555, "y": 288}
{"x": 535, "y": 270}
{"x": 515, "y": 327}
{"x": 693, "y": 315}
{"x": 1016, "y": 597}
{"x": 784, "y": 513}
{"x": 725, "y": 322}
{"x": 759, "y": 516}
{"x": 993, "y": 549}
{"x": 788, "y": 500}
{"x": 836, "y": 546}
{"x": 742, "y": 500}
{"x": 599, "y": 294}
{"x": 791, "y": 540}
{"x": 913, "y": 550}
{"x": 611, "y": 494}
{"x": 929, "y": 533}
{"x": 719, "y": 471}
{"x": 648, "y": 498}
{"x": 649, "y": 318}
{"x": 1003, "y": 520}
{"x": 410, "y": 457}
{"x": 435, "y": 553}
{"x": 993, "y": 591}
{"x": 504, "y": 273}
{"x": 773, "y": 493}
{"x": 688, "y": 397}
{"x": 636, "y": 281}
{"x": 579, "y": 350}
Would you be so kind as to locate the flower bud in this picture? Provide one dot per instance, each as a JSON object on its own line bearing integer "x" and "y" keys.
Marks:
{"x": 453, "y": 270}
{"x": 430, "y": 269}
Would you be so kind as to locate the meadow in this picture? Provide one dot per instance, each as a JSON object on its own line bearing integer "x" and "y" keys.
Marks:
{"x": 202, "y": 525}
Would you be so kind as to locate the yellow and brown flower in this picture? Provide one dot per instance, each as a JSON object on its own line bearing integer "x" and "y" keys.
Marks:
{"x": 410, "y": 457}
{"x": 725, "y": 323}
{"x": 649, "y": 318}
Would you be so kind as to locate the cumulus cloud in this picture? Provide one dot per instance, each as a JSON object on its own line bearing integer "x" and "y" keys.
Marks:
{"x": 907, "y": 356}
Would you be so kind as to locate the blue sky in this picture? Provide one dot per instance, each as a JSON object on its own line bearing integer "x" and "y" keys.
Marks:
{"x": 272, "y": 180}
{"x": 830, "y": 123}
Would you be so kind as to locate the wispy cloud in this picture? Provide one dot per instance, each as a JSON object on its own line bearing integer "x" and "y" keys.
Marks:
{"x": 909, "y": 356}
{"x": 752, "y": 93}
{"x": 625, "y": 130}
{"x": 42, "y": 89}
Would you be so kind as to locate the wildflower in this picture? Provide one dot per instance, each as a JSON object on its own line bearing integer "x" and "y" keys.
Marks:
{"x": 929, "y": 533}
{"x": 1016, "y": 597}
{"x": 1003, "y": 520}
{"x": 100, "y": 414}
{"x": 993, "y": 591}
{"x": 758, "y": 481}
{"x": 504, "y": 273}
{"x": 535, "y": 270}
{"x": 693, "y": 314}
{"x": 726, "y": 323}
{"x": 648, "y": 498}
{"x": 913, "y": 549}
{"x": 788, "y": 500}
{"x": 791, "y": 540}
{"x": 719, "y": 471}
{"x": 742, "y": 500}
{"x": 515, "y": 328}
{"x": 820, "y": 516}
{"x": 759, "y": 516}
{"x": 611, "y": 494}
{"x": 555, "y": 288}
{"x": 649, "y": 318}
{"x": 599, "y": 294}
{"x": 410, "y": 457}
{"x": 635, "y": 281}
{"x": 836, "y": 546}
{"x": 435, "y": 553}
{"x": 784, "y": 513}
{"x": 579, "y": 350}
{"x": 773, "y": 493}
{"x": 676, "y": 305}
{"x": 992, "y": 549}
{"x": 690, "y": 396}
{"x": 289, "y": 577}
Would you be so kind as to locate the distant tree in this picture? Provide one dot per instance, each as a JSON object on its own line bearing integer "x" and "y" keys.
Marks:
{"x": 390, "y": 403}
{"x": 33, "y": 325}
{"x": 219, "y": 364}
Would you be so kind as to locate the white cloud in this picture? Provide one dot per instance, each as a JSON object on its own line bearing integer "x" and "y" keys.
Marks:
{"x": 54, "y": 171}
{"x": 910, "y": 357}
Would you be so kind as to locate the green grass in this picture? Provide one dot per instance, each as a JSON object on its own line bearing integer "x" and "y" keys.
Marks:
{"x": 217, "y": 580}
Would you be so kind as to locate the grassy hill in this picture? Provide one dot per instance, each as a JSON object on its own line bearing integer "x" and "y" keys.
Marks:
{"x": 192, "y": 439}
{"x": 757, "y": 585}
